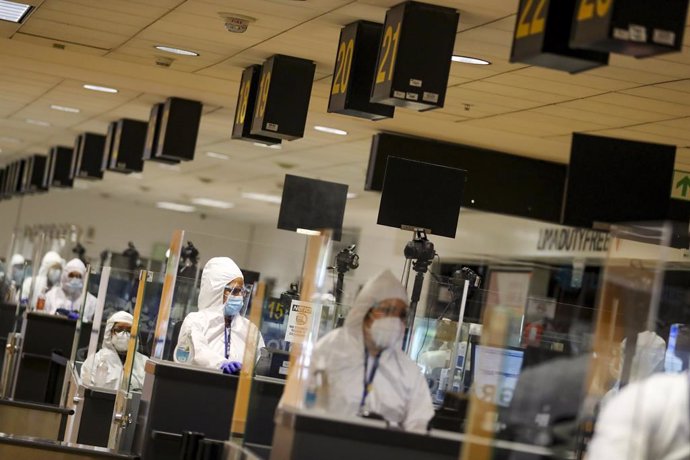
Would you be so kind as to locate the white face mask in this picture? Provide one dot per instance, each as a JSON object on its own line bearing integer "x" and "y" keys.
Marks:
{"x": 54, "y": 275}
{"x": 120, "y": 341}
{"x": 386, "y": 332}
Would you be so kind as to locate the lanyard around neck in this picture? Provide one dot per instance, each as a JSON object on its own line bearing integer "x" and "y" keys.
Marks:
{"x": 369, "y": 378}
{"x": 227, "y": 331}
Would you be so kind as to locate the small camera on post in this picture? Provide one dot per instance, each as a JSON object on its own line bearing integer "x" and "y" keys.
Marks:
{"x": 346, "y": 260}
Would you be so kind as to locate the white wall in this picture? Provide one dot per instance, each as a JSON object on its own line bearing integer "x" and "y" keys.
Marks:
{"x": 116, "y": 222}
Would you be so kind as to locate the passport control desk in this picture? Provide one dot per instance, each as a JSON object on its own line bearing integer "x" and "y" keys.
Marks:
{"x": 306, "y": 435}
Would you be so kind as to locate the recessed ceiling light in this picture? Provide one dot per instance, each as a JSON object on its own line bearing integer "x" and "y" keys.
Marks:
{"x": 13, "y": 11}
{"x": 10, "y": 140}
{"x": 351, "y": 195}
{"x": 469, "y": 60}
{"x": 305, "y": 231}
{"x": 326, "y": 129}
{"x": 168, "y": 167}
{"x": 268, "y": 146}
{"x": 37, "y": 122}
{"x": 212, "y": 203}
{"x": 262, "y": 197}
{"x": 170, "y": 49}
{"x": 170, "y": 206}
{"x": 218, "y": 156}
{"x": 102, "y": 89}
{"x": 63, "y": 108}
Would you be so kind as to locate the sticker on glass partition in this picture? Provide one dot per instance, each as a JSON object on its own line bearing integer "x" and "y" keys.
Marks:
{"x": 303, "y": 319}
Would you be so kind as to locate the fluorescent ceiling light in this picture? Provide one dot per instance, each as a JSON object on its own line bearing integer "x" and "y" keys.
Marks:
{"x": 351, "y": 195}
{"x": 63, "y": 108}
{"x": 137, "y": 176}
{"x": 81, "y": 185}
{"x": 10, "y": 140}
{"x": 170, "y": 49}
{"x": 212, "y": 203}
{"x": 262, "y": 197}
{"x": 168, "y": 167}
{"x": 469, "y": 60}
{"x": 326, "y": 129}
{"x": 13, "y": 11}
{"x": 175, "y": 206}
{"x": 305, "y": 231}
{"x": 102, "y": 89}
{"x": 218, "y": 156}
{"x": 37, "y": 122}
{"x": 268, "y": 146}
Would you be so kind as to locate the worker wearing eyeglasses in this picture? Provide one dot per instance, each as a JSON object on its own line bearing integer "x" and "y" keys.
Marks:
{"x": 368, "y": 372}
{"x": 215, "y": 336}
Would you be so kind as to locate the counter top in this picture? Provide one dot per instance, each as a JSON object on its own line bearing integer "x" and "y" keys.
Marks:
{"x": 60, "y": 446}
{"x": 36, "y": 406}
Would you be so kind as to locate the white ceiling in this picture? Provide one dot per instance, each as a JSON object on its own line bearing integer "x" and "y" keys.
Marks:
{"x": 509, "y": 107}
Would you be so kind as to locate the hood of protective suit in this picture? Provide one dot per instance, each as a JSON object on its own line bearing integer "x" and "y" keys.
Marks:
{"x": 74, "y": 265}
{"x": 218, "y": 272}
{"x": 49, "y": 259}
{"x": 17, "y": 259}
{"x": 118, "y": 317}
{"x": 383, "y": 286}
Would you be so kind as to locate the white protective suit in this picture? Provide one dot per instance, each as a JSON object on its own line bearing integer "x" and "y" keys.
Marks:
{"x": 110, "y": 358}
{"x": 59, "y": 297}
{"x": 203, "y": 332}
{"x": 400, "y": 393}
{"x": 647, "y": 420}
{"x": 49, "y": 259}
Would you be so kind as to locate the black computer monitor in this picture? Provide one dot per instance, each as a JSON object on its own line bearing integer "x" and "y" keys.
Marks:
{"x": 495, "y": 372}
{"x": 421, "y": 195}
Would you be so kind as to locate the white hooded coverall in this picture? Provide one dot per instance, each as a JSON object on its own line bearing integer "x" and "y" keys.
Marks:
{"x": 111, "y": 359}
{"x": 647, "y": 420}
{"x": 41, "y": 283}
{"x": 400, "y": 393}
{"x": 203, "y": 332}
{"x": 58, "y": 297}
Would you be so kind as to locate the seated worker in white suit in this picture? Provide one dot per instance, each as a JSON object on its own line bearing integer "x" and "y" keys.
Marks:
{"x": 215, "y": 336}
{"x": 367, "y": 370}
{"x": 104, "y": 369}
{"x": 65, "y": 298}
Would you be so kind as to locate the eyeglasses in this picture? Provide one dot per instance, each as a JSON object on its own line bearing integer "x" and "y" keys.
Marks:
{"x": 117, "y": 329}
{"x": 243, "y": 291}
{"x": 389, "y": 311}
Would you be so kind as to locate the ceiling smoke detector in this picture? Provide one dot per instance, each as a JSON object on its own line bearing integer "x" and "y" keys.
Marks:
{"x": 236, "y": 23}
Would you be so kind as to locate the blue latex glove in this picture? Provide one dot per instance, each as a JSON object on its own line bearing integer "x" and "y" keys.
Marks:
{"x": 73, "y": 315}
{"x": 62, "y": 311}
{"x": 231, "y": 367}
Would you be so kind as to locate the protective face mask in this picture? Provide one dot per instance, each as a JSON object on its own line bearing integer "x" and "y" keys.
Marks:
{"x": 74, "y": 287}
{"x": 120, "y": 341}
{"x": 54, "y": 275}
{"x": 386, "y": 332}
{"x": 233, "y": 305}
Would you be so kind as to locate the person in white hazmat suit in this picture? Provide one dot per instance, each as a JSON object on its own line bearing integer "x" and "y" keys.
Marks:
{"x": 215, "y": 336}
{"x": 65, "y": 298}
{"x": 647, "y": 420}
{"x": 48, "y": 276}
{"x": 104, "y": 369}
{"x": 367, "y": 370}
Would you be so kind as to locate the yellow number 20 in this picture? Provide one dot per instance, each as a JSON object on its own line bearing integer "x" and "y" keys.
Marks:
{"x": 531, "y": 20}
{"x": 589, "y": 7}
